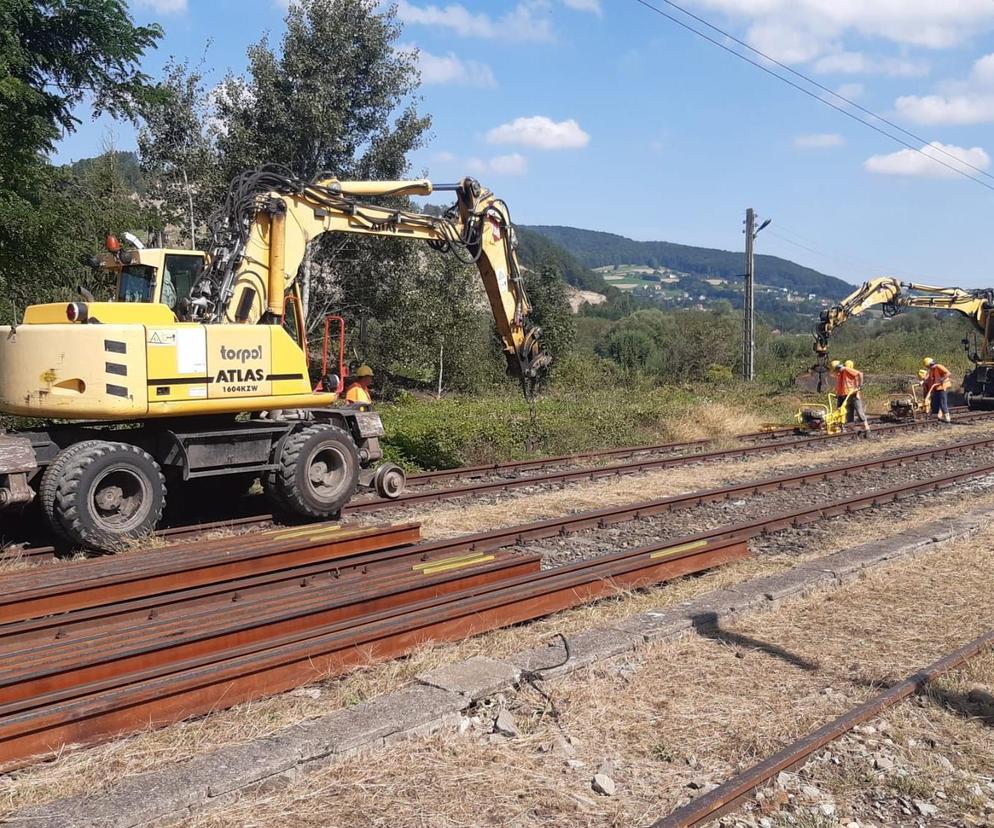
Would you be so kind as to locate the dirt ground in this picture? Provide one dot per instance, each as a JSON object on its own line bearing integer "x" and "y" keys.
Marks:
{"x": 83, "y": 770}
{"x": 679, "y": 717}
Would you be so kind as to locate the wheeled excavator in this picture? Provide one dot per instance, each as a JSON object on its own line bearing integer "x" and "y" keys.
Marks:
{"x": 199, "y": 368}
{"x": 893, "y": 297}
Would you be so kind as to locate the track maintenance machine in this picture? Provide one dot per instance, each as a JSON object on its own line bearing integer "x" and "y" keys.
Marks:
{"x": 139, "y": 394}
{"x": 893, "y": 297}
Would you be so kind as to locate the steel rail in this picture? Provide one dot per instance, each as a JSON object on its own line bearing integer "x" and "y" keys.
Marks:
{"x": 33, "y": 593}
{"x": 601, "y": 518}
{"x": 196, "y": 686}
{"x": 201, "y": 685}
{"x": 110, "y": 580}
{"x": 595, "y": 473}
{"x": 428, "y": 477}
{"x": 44, "y": 553}
{"x": 112, "y": 658}
{"x": 728, "y": 796}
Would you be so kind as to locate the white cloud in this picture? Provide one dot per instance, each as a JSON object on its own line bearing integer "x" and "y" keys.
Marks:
{"x": 540, "y": 131}
{"x": 969, "y": 101}
{"x": 528, "y": 20}
{"x": 942, "y": 109}
{"x": 910, "y": 22}
{"x": 584, "y": 5}
{"x": 909, "y": 163}
{"x": 163, "y": 6}
{"x": 856, "y": 63}
{"x": 449, "y": 69}
{"x": 819, "y": 140}
{"x": 512, "y": 164}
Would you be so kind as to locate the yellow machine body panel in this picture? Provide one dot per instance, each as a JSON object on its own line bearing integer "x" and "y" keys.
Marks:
{"x": 72, "y": 371}
{"x": 163, "y": 368}
{"x": 106, "y": 313}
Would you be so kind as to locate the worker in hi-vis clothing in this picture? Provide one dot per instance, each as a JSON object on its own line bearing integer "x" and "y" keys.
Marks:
{"x": 937, "y": 384}
{"x": 359, "y": 390}
{"x": 848, "y": 382}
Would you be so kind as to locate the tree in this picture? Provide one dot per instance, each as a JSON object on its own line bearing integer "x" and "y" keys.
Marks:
{"x": 336, "y": 96}
{"x": 53, "y": 54}
{"x": 178, "y": 153}
{"x": 551, "y": 311}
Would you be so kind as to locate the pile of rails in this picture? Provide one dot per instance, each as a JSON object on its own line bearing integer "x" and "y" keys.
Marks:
{"x": 100, "y": 648}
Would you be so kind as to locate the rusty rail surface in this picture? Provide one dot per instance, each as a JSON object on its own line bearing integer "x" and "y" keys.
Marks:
{"x": 149, "y": 667}
{"x": 616, "y": 469}
{"x": 47, "y": 553}
{"x": 40, "y": 723}
{"x": 728, "y": 796}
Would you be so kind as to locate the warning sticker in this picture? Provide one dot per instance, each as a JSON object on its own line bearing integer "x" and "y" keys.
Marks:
{"x": 159, "y": 337}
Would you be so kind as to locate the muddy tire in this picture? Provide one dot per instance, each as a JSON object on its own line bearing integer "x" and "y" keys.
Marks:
{"x": 108, "y": 494}
{"x": 316, "y": 474}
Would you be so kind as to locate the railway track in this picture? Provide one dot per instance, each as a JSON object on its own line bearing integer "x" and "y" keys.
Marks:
{"x": 424, "y": 491}
{"x": 113, "y": 644}
{"x": 728, "y": 796}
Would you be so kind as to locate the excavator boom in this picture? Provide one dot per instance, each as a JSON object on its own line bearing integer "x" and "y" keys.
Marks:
{"x": 262, "y": 233}
{"x": 893, "y": 297}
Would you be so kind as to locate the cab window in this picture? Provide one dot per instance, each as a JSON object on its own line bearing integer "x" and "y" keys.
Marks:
{"x": 182, "y": 272}
{"x": 136, "y": 283}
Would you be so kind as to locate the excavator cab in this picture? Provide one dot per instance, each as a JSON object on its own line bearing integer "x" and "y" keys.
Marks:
{"x": 151, "y": 274}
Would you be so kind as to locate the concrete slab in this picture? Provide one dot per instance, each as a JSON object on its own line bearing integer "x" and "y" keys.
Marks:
{"x": 795, "y": 581}
{"x": 582, "y": 649}
{"x": 474, "y": 678}
{"x": 656, "y": 625}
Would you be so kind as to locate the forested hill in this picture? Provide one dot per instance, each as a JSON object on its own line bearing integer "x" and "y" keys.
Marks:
{"x": 534, "y": 250}
{"x": 596, "y": 249}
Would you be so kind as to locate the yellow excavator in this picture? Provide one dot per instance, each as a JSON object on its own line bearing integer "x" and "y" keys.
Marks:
{"x": 893, "y": 297}
{"x": 200, "y": 370}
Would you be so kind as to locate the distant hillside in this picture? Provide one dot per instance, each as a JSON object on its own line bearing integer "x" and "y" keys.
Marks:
{"x": 534, "y": 250}
{"x": 596, "y": 249}
{"x": 126, "y": 164}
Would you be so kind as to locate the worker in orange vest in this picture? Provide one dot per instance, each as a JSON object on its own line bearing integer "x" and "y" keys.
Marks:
{"x": 848, "y": 382}
{"x": 937, "y": 384}
{"x": 358, "y": 392}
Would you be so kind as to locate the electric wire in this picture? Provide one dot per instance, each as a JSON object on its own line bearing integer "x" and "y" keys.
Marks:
{"x": 824, "y": 88}
{"x": 810, "y": 93}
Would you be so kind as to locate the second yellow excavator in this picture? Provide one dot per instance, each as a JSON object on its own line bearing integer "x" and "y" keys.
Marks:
{"x": 200, "y": 369}
{"x": 893, "y": 297}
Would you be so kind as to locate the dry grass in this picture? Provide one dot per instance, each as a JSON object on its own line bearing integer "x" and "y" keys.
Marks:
{"x": 714, "y": 421}
{"x": 80, "y": 770}
{"x": 677, "y": 713}
{"x": 83, "y": 770}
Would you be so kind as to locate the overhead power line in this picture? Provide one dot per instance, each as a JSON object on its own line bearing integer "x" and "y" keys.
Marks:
{"x": 811, "y": 94}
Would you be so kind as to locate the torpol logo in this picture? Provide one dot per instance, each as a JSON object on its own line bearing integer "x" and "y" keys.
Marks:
{"x": 243, "y": 355}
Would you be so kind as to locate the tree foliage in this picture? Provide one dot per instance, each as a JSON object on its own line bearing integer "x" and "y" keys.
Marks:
{"x": 53, "y": 53}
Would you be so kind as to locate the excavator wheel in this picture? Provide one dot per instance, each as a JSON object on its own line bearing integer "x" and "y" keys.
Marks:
{"x": 389, "y": 481}
{"x": 316, "y": 473}
{"x": 50, "y": 481}
{"x": 107, "y": 494}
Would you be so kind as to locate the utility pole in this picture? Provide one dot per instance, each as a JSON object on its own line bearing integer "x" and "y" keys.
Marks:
{"x": 749, "y": 298}
{"x": 749, "y": 302}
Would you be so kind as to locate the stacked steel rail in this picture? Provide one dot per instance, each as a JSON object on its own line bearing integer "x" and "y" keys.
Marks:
{"x": 102, "y": 647}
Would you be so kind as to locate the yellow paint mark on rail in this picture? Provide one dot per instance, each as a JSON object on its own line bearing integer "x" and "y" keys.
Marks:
{"x": 673, "y": 550}
{"x": 442, "y": 561}
{"x": 445, "y": 567}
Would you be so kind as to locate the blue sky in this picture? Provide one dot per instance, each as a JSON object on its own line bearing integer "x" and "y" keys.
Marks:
{"x": 604, "y": 115}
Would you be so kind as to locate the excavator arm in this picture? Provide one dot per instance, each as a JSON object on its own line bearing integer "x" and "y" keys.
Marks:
{"x": 261, "y": 236}
{"x": 893, "y": 297}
